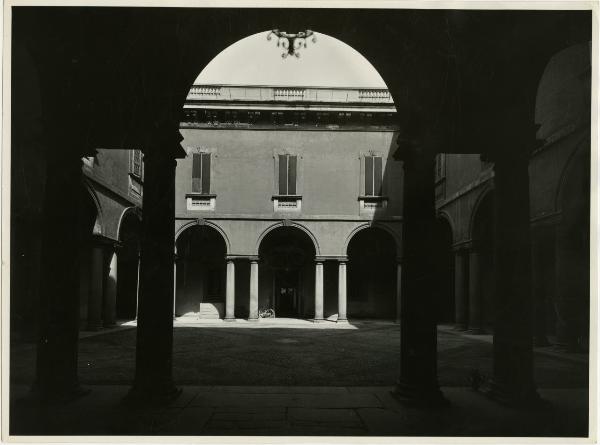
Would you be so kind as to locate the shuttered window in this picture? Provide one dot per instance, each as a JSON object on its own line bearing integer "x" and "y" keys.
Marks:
{"x": 135, "y": 166}
{"x": 201, "y": 173}
{"x": 373, "y": 175}
{"x": 287, "y": 174}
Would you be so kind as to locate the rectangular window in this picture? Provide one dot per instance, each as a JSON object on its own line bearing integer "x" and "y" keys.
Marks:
{"x": 373, "y": 175}
{"x": 287, "y": 174}
{"x": 440, "y": 167}
{"x": 135, "y": 166}
{"x": 201, "y": 173}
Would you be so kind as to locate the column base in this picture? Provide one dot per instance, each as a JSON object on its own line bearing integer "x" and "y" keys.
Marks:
{"x": 93, "y": 326}
{"x": 460, "y": 327}
{"x": 253, "y": 319}
{"x": 507, "y": 394}
{"x": 229, "y": 319}
{"x": 420, "y": 396}
{"x": 318, "y": 320}
{"x": 156, "y": 395}
{"x": 342, "y": 320}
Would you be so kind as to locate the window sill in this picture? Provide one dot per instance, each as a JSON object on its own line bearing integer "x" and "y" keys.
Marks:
{"x": 138, "y": 178}
{"x": 287, "y": 203}
{"x": 370, "y": 204}
{"x": 286, "y": 197}
{"x": 200, "y": 202}
{"x": 200, "y": 195}
{"x": 372, "y": 198}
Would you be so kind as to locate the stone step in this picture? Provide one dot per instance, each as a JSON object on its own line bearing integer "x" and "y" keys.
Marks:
{"x": 211, "y": 310}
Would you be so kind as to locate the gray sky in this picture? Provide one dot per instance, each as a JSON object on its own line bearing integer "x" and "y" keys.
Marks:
{"x": 256, "y": 61}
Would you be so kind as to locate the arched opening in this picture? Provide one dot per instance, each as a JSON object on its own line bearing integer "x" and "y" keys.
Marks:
{"x": 482, "y": 287}
{"x": 128, "y": 266}
{"x": 372, "y": 274}
{"x": 444, "y": 285}
{"x": 572, "y": 255}
{"x": 200, "y": 273}
{"x": 286, "y": 272}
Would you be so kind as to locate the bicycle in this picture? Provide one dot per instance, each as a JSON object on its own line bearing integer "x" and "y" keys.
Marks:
{"x": 266, "y": 313}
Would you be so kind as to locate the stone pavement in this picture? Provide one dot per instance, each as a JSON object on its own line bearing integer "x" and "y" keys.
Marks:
{"x": 301, "y": 411}
{"x": 295, "y": 377}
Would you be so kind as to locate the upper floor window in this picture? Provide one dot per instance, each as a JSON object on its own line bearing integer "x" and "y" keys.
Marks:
{"x": 201, "y": 173}
{"x": 135, "y": 163}
{"x": 440, "y": 166}
{"x": 373, "y": 175}
{"x": 287, "y": 174}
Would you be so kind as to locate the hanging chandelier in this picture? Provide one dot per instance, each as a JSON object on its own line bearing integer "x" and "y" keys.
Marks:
{"x": 291, "y": 42}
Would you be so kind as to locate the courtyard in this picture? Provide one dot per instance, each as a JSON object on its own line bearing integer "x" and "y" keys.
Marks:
{"x": 298, "y": 377}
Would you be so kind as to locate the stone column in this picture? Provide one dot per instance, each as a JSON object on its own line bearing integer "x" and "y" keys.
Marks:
{"x": 253, "y": 315}
{"x": 230, "y": 291}
{"x": 461, "y": 301}
{"x": 153, "y": 374}
{"x": 174, "y": 285}
{"x": 475, "y": 297}
{"x": 318, "y": 291}
{"x": 110, "y": 292}
{"x": 342, "y": 318}
{"x": 398, "y": 290}
{"x": 94, "y": 316}
{"x": 513, "y": 381}
{"x": 418, "y": 383}
{"x": 137, "y": 289}
{"x": 62, "y": 238}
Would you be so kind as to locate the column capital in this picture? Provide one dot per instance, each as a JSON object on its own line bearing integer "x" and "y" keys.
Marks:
{"x": 253, "y": 259}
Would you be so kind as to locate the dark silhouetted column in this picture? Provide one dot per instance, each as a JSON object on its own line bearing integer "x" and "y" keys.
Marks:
{"x": 513, "y": 381}
{"x": 153, "y": 373}
{"x": 62, "y": 236}
{"x": 461, "y": 296}
{"x": 418, "y": 364}
{"x": 475, "y": 297}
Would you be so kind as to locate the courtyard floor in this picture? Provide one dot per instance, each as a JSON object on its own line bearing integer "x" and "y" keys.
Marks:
{"x": 297, "y": 378}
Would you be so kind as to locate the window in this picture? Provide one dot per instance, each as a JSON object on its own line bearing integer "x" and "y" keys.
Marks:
{"x": 287, "y": 174}
{"x": 373, "y": 175}
{"x": 135, "y": 163}
{"x": 440, "y": 167}
{"x": 201, "y": 173}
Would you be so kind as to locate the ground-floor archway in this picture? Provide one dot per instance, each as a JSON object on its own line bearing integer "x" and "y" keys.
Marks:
{"x": 372, "y": 274}
{"x": 286, "y": 272}
{"x": 200, "y": 273}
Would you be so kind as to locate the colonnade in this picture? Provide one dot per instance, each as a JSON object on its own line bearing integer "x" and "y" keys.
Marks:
{"x": 418, "y": 384}
{"x": 253, "y": 286}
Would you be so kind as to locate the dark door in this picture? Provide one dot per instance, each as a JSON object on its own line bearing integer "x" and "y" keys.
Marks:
{"x": 286, "y": 293}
